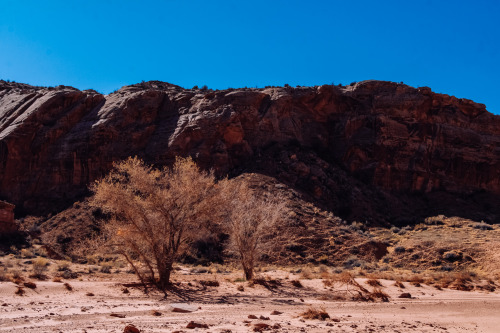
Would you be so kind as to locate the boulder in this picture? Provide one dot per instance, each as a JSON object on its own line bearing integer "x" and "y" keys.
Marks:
{"x": 182, "y": 307}
{"x": 131, "y": 329}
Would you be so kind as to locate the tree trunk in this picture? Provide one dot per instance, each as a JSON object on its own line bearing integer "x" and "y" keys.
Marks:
{"x": 248, "y": 273}
{"x": 164, "y": 277}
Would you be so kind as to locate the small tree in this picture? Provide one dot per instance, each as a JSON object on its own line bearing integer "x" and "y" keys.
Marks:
{"x": 252, "y": 219}
{"x": 154, "y": 213}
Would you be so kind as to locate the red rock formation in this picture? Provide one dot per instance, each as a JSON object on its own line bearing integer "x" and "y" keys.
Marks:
{"x": 7, "y": 224}
{"x": 376, "y": 151}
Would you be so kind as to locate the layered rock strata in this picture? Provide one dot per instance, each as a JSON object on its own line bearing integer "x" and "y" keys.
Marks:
{"x": 373, "y": 151}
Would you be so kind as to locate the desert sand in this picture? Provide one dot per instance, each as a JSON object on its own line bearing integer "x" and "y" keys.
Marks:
{"x": 104, "y": 303}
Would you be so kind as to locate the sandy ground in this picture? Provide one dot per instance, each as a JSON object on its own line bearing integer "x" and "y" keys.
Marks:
{"x": 52, "y": 308}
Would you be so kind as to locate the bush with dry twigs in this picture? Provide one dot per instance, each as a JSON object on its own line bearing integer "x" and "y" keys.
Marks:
{"x": 252, "y": 219}
{"x": 155, "y": 213}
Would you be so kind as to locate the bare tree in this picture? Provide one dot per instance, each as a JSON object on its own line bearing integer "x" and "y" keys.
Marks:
{"x": 251, "y": 221}
{"x": 155, "y": 213}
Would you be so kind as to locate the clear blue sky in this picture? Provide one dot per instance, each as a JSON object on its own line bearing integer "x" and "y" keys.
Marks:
{"x": 451, "y": 46}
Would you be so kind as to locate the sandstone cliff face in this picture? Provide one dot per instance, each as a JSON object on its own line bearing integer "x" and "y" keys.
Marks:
{"x": 374, "y": 151}
{"x": 7, "y": 224}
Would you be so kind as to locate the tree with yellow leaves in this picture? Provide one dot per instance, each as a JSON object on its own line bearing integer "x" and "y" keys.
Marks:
{"x": 154, "y": 213}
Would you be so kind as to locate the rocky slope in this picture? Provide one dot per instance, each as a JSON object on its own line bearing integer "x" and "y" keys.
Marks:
{"x": 374, "y": 151}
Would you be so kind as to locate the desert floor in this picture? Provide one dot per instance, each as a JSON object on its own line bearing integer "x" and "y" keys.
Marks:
{"x": 99, "y": 304}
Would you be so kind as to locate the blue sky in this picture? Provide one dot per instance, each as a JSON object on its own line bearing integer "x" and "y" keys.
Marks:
{"x": 451, "y": 46}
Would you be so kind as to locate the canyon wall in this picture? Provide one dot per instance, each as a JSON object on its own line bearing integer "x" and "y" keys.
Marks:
{"x": 374, "y": 151}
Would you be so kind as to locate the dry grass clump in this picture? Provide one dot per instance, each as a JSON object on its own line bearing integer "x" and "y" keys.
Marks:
{"x": 16, "y": 276}
{"x": 462, "y": 281}
{"x": 374, "y": 283}
{"x": 348, "y": 287}
{"x": 345, "y": 280}
{"x": 156, "y": 313}
{"x": 267, "y": 283}
{"x": 39, "y": 268}
{"x": 377, "y": 293}
{"x": 313, "y": 313}
{"x": 30, "y": 285}
{"x": 399, "y": 284}
{"x": 27, "y": 253}
{"x": 306, "y": 273}
{"x": 4, "y": 275}
{"x": 106, "y": 268}
{"x": 459, "y": 281}
{"x": 384, "y": 275}
{"x": 63, "y": 266}
{"x": 416, "y": 280}
{"x": 20, "y": 291}
{"x": 488, "y": 286}
{"x": 209, "y": 283}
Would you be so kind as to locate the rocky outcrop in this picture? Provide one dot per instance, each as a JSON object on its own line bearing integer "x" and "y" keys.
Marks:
{"x": 7, "y": 224}
{"x": 372, "y": 151}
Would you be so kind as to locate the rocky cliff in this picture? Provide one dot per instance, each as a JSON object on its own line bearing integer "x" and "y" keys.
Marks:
{"x": 7, "y": 223}
{"x": 373, "y": 151}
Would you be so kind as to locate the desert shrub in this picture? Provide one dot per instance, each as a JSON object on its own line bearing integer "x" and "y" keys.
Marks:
{"x": 399, "y": 284}
{"x": 482, "y": 226}
{"x": 377, "y": 293}
{"x": 30, "y": 285}
{"x": 251, "y": 222}
{"x": 218, "y": 269}
{"x": 4, "y": 275}
{"x": 26, "y": 253}
{"x": 92, "y": 259}
{"x": 41, "y": 252}
{"x": 8, "y": 264}
{"x": 209, "y": 283}
{"x": 39, "y": 268}
{"x": 266, "y": 282}
{"x": 416, "y": 280}
{"x": 16, "y": 275}
{"x": 106, "y": 268}
{"x": 306, "y": 273}
{"x": 313, "y": 313}
{"x": 346, "y": 281}
{"x": 20, "y": 291}
{"x": 395, "y": 229}
{"x": 373, "y": 283}
{"x": 352, "y": 262}
{"x": 452, "y": 256}
{"x": 63, "y": 266}
{"x": 199, "y": 270}
{"x": 324, "y": 259}
{"x": 67, "y": 274}
{"x": 435, "y": 220}
{"x": 399, "y": 249}
{"x": 156, "y": 313}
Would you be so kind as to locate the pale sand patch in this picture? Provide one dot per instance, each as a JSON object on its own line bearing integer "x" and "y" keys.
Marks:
{"x": 52, "y": 308}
